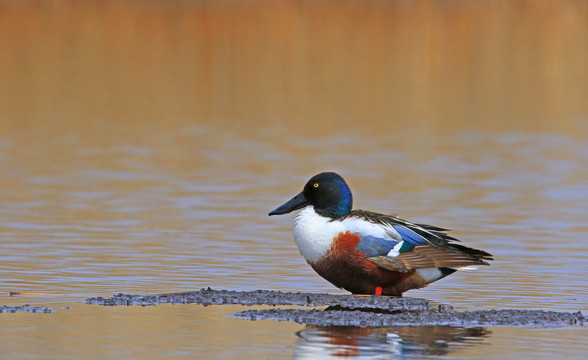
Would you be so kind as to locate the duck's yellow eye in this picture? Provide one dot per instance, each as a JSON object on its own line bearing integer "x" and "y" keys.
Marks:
{"x": 315, "y": 185}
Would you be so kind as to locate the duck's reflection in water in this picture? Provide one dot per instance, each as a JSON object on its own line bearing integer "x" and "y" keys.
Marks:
{"x": 398, "y": 342}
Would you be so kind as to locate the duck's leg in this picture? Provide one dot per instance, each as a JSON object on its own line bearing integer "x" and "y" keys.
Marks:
{"x": 377, "y": 291}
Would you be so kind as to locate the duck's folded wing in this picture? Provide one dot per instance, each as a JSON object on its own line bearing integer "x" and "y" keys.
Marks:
{"x": 432, "y": 256}
{"x": 408, "y": 246}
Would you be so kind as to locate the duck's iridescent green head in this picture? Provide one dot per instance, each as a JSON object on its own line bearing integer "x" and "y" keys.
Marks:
{"x": 327, "y": 192}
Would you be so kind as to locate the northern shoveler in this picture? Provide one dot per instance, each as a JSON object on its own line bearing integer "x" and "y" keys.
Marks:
{"x": 369, "y": 253}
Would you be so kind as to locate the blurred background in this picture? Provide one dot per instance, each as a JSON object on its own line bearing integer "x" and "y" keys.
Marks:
{"x": 142, "y": 144}
{"x": 138, "y": 66}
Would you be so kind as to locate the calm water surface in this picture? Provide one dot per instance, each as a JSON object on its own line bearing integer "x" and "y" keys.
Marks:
{"x": 185, "y": 210}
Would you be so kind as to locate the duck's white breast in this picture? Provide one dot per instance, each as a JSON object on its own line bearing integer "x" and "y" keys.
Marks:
{"x": 314, "y": 234}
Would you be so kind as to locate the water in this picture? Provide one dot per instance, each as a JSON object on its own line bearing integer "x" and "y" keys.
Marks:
{"x": 143, "y": 144}
{"x": 80, "y": 221}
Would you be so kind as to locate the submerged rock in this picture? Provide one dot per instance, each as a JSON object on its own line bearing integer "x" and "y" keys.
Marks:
{"x": 25, "y": 308}
{"x": 266, "y": 297}
{"x": 349, "y": 310}
{"x": 509, "y": 317}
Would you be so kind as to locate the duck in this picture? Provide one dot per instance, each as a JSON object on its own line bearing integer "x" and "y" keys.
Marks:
{"x": 368, "y": 253}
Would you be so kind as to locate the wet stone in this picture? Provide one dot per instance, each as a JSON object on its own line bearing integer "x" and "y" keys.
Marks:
{"x": 25, "y": 308}
{"x": 266, "y": 297}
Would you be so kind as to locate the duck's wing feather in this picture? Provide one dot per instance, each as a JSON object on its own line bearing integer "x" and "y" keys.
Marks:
{"x": 417, "y": 233}
{"x": 430, "y": 256}
{"x": 407, "y": 246}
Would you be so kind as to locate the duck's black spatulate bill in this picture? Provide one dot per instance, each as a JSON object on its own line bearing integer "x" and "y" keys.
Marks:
{"x": 297, "y": 202}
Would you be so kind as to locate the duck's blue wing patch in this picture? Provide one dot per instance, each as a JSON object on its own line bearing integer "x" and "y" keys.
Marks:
{"x": 384, "y": 242}
{"x": 410, "y": 236}
{"x": 375, "y": 246}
